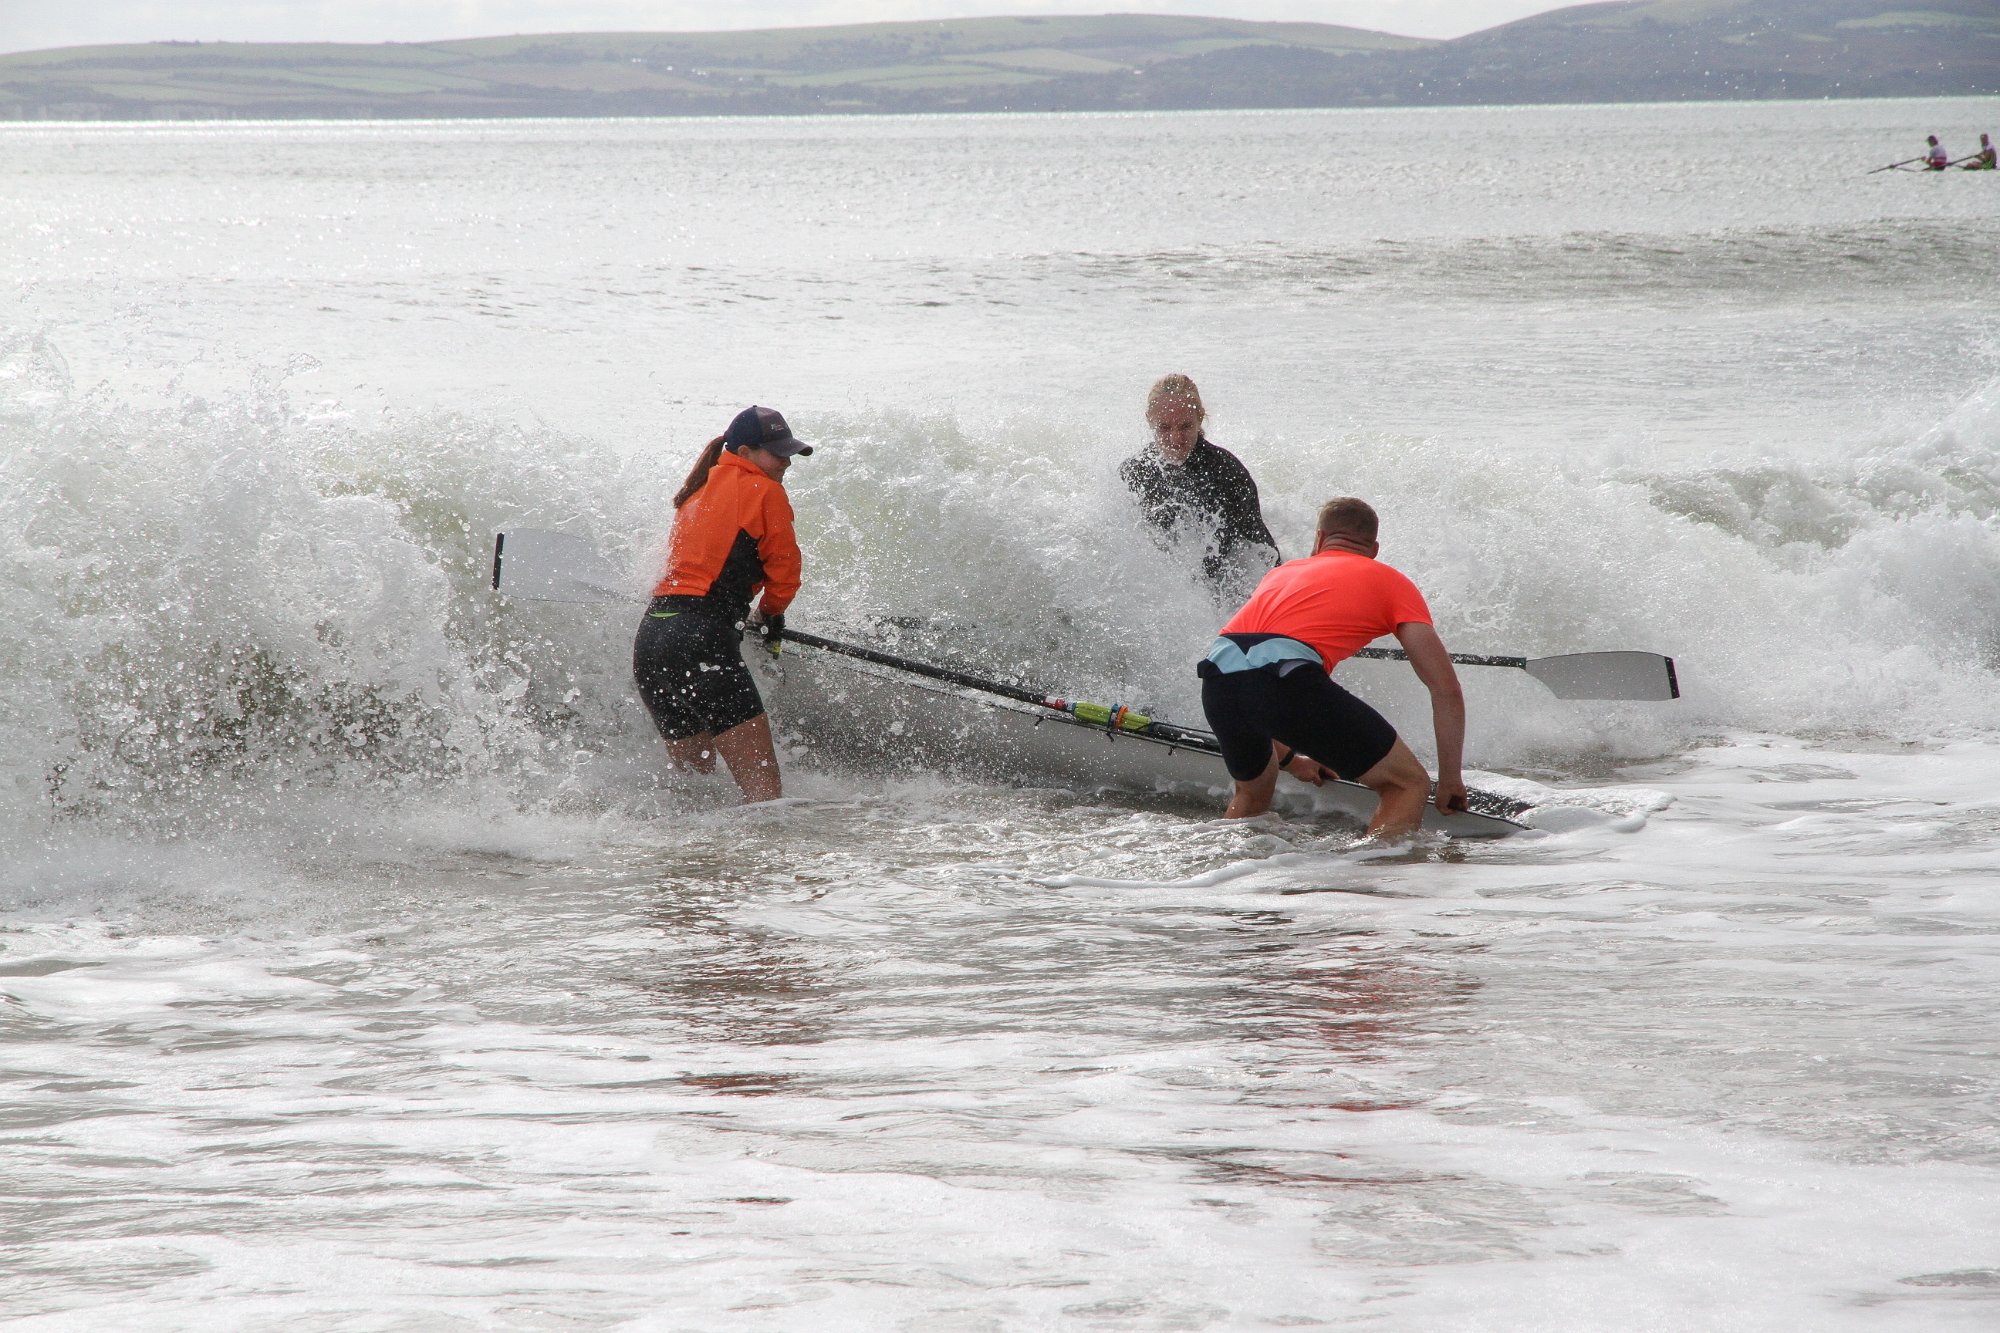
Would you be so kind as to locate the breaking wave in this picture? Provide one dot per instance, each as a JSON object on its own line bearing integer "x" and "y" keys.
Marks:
{"x": 214, "y": 608}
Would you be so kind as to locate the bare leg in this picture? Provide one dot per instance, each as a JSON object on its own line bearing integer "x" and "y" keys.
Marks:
{"x": 692, "y": 754}
{"x": 1405, "y": 788}
{"x": 1254, "y": 797}
{"x": 752, "y": 759}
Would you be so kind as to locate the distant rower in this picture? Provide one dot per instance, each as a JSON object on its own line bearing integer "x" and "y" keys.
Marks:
{"x": 1984, "y": 161}
{"x": 1189, "y": 488}
{"x": 1936, "y": 159}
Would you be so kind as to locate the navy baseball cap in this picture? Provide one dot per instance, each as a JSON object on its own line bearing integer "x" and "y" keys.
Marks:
{"x": 764, "y": 427}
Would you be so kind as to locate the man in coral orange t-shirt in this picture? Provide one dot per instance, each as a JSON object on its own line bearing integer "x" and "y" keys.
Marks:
{"x": 1267, "y": 690}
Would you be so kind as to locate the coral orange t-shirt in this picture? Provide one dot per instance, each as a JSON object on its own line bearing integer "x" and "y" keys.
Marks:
{"x": 1335, "y": 602}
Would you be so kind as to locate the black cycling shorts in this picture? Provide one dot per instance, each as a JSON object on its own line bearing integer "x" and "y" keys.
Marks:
{"x": 1303, "y": 709}
{"x": 689, "y": 667}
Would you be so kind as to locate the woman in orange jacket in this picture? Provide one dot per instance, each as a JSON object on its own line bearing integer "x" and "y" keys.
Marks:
{"x": 732, "y": 538}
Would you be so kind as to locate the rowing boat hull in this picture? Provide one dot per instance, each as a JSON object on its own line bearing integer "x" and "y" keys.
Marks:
{"x": 836, "y": 712}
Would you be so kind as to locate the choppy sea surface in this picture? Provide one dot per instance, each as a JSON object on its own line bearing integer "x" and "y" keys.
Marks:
{"x": 360, "y": 971}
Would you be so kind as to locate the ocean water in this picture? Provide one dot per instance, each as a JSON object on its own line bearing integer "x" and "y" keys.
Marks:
{"x": 360, "y": 970}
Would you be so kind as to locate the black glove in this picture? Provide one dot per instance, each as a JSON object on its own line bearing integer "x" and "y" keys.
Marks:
{"x": 773, "y": 629}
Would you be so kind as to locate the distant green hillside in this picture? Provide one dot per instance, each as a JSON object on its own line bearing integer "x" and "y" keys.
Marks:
{"x": 867, "y": 67}
{"x": 1671, "y": 50}
{"x": 1638, "y": 50}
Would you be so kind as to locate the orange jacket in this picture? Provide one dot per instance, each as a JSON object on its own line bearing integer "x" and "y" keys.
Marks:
{"x": 731, "y": 538}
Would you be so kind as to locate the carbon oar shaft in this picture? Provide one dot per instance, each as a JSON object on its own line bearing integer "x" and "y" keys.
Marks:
{"x": 1110, "y": 717}
{"x": 1463, "y": 659}
{"x": 1015, "y": 692}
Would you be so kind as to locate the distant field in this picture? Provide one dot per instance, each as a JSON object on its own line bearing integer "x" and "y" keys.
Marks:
{"x": 1644, "y": 50}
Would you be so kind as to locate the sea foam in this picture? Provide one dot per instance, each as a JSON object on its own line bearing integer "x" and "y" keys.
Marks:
{"x": 215, "y": 602}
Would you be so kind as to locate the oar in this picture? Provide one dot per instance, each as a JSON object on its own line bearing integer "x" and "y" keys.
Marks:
{"x": 1112, "y": 717}
{"x": 554, "y": 567}
{"x": 1893, "y": 165}
{"x": 1959, "y": 162}
{"x": 1624, "y": 675}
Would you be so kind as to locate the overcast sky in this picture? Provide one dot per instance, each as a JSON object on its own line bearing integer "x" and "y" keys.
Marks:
{"x": 27, "y": 25}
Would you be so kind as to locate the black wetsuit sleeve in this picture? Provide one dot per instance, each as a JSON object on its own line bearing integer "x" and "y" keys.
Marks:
{"x": 1242, "y": 516}
{"x": 1147, "y": 482}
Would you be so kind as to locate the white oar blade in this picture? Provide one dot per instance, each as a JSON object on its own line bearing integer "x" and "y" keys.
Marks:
{"x": 1607, "y": 675}
{"x": 541, "y": 566}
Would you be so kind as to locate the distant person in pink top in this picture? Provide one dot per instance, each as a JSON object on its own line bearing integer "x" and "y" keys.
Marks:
{"x": 1271, "y": 702}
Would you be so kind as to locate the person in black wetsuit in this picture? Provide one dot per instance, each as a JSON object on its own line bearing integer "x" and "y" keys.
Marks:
{"x": 1190, "y": 489}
